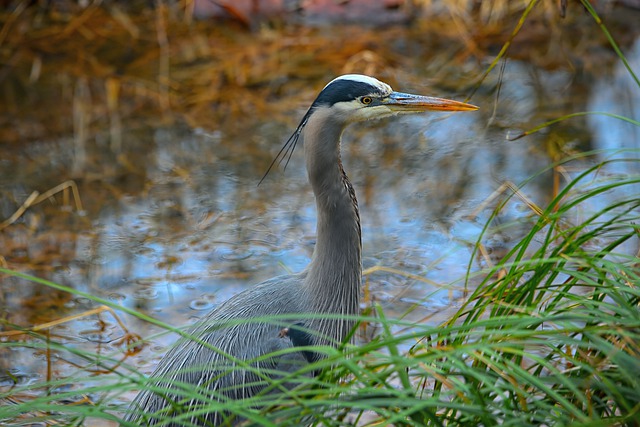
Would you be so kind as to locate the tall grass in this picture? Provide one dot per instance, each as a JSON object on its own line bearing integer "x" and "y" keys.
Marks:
{"x": 551, "y": 336}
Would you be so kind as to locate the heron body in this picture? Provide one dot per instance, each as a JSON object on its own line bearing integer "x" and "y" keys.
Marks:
{"x": 330, "y": 285}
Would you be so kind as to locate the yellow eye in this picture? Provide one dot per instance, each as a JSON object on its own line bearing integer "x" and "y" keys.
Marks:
{"x": 366, "y": 100}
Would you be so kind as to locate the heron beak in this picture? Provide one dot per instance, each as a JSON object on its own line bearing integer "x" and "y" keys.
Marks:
{"x": 407, "y": 103}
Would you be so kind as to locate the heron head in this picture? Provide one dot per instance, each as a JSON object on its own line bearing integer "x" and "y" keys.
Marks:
{"x": 355, "y": 98}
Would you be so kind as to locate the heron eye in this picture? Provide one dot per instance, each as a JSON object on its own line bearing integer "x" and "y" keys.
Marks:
{"x": 366, "y": 100}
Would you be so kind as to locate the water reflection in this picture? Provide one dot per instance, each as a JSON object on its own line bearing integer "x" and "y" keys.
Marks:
{"x": 616, "y": 93}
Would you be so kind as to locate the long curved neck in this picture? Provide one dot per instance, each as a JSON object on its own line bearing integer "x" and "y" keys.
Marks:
{"x": 334, "y": 275}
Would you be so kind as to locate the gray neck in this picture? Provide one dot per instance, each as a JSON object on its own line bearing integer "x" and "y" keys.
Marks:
{"x": 334, "y": 274}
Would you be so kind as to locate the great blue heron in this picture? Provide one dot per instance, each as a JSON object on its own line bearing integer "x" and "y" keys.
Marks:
{"x": 330, "y": 285}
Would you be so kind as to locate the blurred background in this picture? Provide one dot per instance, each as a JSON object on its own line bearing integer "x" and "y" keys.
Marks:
{"x": 133, "y": 136}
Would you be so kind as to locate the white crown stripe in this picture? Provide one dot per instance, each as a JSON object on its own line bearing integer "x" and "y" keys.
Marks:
{"x": 384, "y": 88}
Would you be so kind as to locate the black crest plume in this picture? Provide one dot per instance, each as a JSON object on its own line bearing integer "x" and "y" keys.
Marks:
{"x": 289, "y": 146}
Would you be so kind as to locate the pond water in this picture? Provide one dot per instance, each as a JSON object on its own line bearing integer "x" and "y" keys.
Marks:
{"x": 173, "y": 221}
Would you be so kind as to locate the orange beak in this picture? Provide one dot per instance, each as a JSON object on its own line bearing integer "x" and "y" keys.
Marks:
{"x": 407, "y": 103}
